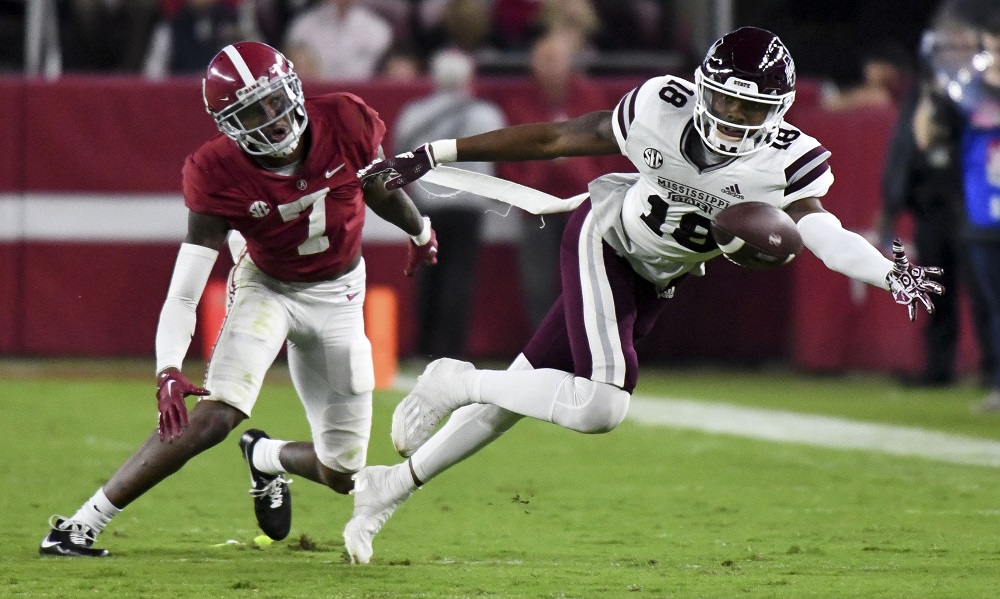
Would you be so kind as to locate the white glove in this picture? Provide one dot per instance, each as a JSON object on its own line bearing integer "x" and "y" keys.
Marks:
{"x": 909, "y": 283}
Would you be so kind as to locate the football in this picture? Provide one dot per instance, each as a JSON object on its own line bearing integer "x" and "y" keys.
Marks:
{"x": 756, "y": 235}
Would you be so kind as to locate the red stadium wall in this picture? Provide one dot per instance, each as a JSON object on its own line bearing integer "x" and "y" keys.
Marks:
{"x": 70, "y": 293}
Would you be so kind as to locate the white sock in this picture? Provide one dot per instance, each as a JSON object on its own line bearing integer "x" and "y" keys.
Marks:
{"x": 265, "y": 456}
{"x": 468, "y": 430}
{"x": 555, "y": 396}
{"x": 533, "y": 393}
{"x": 96, "y": 512}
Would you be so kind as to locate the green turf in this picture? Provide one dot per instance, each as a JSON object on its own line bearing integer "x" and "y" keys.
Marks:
{"x": 639, "y": 512}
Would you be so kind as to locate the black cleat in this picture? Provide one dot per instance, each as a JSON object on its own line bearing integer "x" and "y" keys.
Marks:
{"x": 70, "y": 539}
{"x": 272, "y": 502}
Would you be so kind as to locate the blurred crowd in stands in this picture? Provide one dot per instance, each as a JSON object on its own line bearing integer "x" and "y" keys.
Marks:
{"x": 361, "y": 39}
{"x": 328, "y": 39}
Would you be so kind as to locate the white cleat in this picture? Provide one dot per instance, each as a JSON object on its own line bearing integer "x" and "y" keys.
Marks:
{"x": 378, "y": 491}
{"x": 439, "y": 391}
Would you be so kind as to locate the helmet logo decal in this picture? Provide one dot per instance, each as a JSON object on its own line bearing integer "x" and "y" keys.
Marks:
{"x": 774, "y": 239}
{"x": 239, "y": 63}
{"x": 259, "y": 209}
{"x": 652, "y": 157}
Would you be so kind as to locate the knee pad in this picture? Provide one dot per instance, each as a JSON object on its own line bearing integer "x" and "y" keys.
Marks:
{"x": 594, "y": 408}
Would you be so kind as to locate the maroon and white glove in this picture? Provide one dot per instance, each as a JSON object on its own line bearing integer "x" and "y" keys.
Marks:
{"x": 171, "y": 389}
{"x": 909, "y": 284}
{"x": 403, "y": 169}
{"x": 423, "y": 249}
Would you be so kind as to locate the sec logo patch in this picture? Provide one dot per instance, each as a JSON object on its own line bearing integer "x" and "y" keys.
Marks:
{"x": 652, "y": 157}
{"x": 259, "y": 209}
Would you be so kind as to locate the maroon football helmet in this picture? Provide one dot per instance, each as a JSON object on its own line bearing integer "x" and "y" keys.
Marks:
{"x": 256, "y": 98}
{"x": 747, "y": 72}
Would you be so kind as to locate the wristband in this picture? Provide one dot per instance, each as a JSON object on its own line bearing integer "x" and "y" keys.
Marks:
{"x": 444, "y": 150}
{"x": 425, "y": 233}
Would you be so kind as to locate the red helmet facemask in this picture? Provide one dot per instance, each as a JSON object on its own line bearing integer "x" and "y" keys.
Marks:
{"x": 256, "y": 98}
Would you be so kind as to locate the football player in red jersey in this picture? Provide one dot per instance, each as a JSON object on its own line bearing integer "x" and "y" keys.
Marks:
{"x": 282, "y": 175}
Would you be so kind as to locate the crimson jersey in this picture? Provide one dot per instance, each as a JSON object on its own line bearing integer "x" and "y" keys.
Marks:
{"x": 304, "y": 227}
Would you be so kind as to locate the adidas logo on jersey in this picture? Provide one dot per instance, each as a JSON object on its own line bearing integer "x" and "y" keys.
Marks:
{"x": 733, "y": 190}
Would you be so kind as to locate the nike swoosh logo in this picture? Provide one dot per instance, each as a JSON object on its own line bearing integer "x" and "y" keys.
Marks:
{"x": 47, "y": 543}
{"x": 334, "y": 171}
{"x": 168, "y": 387}
{"x": 351, "y": 296}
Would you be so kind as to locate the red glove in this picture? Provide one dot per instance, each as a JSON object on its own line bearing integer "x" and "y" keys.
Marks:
{"x": 171, "y": 389}
{"x": 421, "y": 253}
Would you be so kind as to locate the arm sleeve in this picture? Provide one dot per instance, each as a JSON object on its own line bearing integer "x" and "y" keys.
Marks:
{"x": 177, "y": 318}
{"x": 843, "y": 251}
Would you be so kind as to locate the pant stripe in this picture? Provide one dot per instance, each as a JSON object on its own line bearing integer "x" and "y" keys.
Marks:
{"x": 600, "y": 319}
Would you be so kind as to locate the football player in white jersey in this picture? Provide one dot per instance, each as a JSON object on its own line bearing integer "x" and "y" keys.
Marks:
{"x": 698, "y": 148}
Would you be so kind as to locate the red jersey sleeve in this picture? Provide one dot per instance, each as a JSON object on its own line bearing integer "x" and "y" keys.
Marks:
{"x": 194, "y": 185}
{"x": 207, "y": 178}
{"x": 361, "y": 128}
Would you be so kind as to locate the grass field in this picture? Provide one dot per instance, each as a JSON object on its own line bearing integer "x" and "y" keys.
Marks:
{"x": 644, "y": 511}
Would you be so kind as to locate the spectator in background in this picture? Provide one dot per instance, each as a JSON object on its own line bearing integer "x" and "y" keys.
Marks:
{"x": 464, "y": 24}
{"x": 976, "y": 124}
{"x": 106, "y": 35}
{"x": 272, "y": 17}
{"x": 444, "y": 293}
{"x": 631, "y": 25}
{"x": 576, "y": 19}
{"x": 187, "y": 40}
{"x": 928, "y": 184}
{"x": 338, "y": 40}
{"x": 520, "y": 23}
{"x": 886, "y": 75}
{"x": 559, "y": 92}
{"x": 515, "y": 22}
{"x": 401, "y": 63}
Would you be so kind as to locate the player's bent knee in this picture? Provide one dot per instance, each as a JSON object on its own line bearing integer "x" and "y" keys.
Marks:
{"x": 343, "y": 460}
{"x": 212, "y": 421}
{"x": 601, "y": 406}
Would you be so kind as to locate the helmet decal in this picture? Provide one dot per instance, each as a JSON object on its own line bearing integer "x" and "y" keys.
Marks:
{"x": 240, "y": 64}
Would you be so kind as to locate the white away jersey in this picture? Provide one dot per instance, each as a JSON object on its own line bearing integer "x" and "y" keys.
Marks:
{"x": 659, "y": 219}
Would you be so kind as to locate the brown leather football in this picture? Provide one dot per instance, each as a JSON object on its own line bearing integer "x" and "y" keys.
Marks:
{"x": 756, "y": 235}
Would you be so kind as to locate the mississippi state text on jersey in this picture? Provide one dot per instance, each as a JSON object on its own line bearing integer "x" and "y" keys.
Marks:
{"x": 304, "y": 227}
{"x": 661, "y": 222}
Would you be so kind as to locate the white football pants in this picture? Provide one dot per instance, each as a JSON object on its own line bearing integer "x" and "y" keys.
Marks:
{"x": 329, "y": 356}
